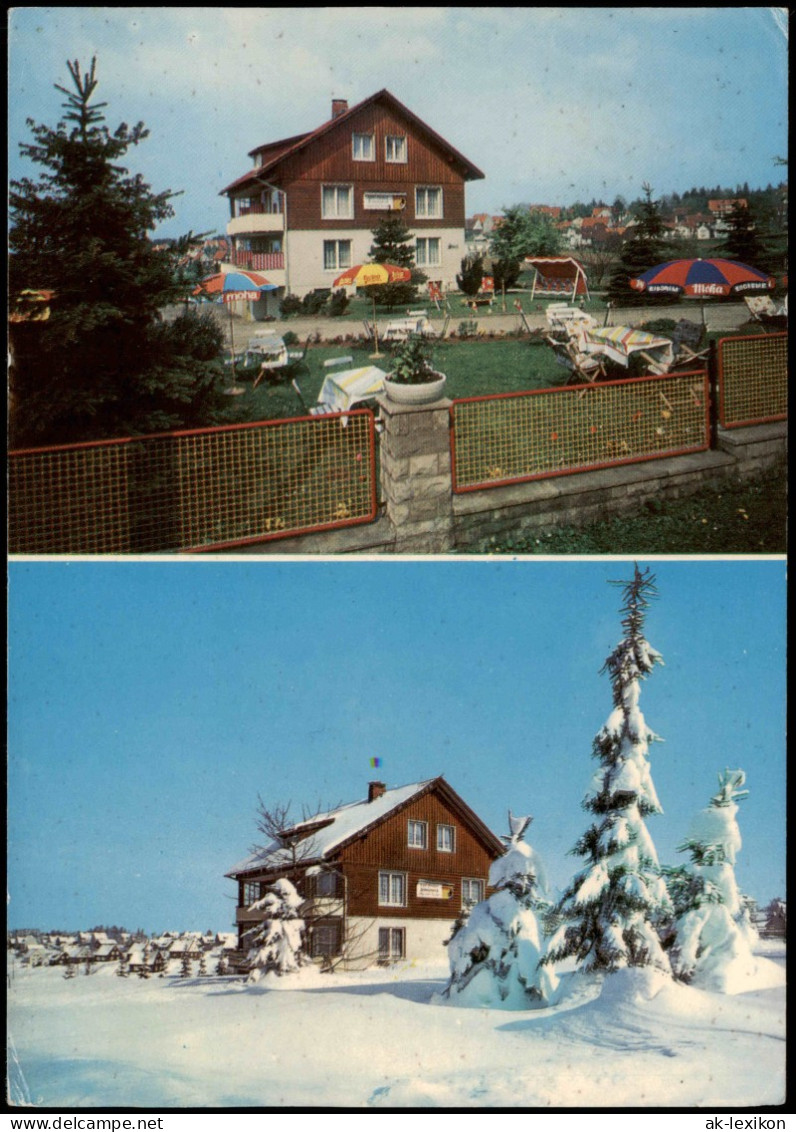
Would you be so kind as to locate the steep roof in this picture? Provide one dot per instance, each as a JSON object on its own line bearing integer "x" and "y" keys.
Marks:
{"x": 272, "y": 153}
{"x": 328, "y": 833}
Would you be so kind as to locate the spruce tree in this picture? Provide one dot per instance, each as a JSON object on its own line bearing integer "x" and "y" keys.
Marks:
{"x": 612, "y": 907}
{"x": 277, "y": 943}
{"x": 496, "y": 952}
{"x": 393, "y": 243}
{"x": 743, "y": 241}
{"x": 643, "y": 250}
{"x": 713, "y": 930}
{"x": 102, "y": 365}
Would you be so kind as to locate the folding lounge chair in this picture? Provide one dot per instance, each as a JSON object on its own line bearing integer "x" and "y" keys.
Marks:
{"x": 764, "y": 310}
{"x": 687, "y": 338}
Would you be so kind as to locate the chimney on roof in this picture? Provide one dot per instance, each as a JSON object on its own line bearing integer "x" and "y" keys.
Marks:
{"x": 339, "y": 106}
{"x": 375, "y": 790}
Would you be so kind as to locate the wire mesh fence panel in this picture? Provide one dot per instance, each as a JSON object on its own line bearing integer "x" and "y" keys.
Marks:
{"x": 197, "y": 490}
{"x": 69, "y": 500}
{"x": 549, "y": 432}
{"x": 753, "y": 379}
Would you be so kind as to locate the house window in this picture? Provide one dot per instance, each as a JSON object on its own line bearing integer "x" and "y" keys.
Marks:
{"x": 472, "y": 892}
{"x": 395, "y": 149}
{"x": 428, "y": 202}
{"x": 336, "y": 255}
{"x": 325, "y": 884}
{"x": 446, "y": 838}
{"x": 392, "y": 889}
{"x": 251, "y": 892}
{"x": 363, "y": 147}
{"x": 418, "y": 835}
{"x": 392, "y": 944}
{"x": 325, "y": 939}
{"x": 427, "y": 251}
{"x": 337, "y": 202}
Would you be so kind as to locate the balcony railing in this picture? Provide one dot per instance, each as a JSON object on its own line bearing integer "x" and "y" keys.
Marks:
{"x": 259, "y": 261}
{"x": 255, "y": 207}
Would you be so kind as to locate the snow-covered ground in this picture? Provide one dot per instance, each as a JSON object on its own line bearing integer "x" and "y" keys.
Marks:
{"x": 373, "y": 1038}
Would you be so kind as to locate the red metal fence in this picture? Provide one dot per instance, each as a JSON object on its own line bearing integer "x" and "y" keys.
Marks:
{"x": 752, "y": 379}
{"x": 511, "y": 437}
{"x": 200, "y": 490}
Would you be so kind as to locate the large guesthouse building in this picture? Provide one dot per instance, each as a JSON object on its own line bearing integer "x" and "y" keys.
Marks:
{"x": 383, "y": 878}
{"x": 305, "y": 210}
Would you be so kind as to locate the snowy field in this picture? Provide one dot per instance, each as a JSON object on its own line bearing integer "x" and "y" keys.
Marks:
{"x": 374, "y": 1039}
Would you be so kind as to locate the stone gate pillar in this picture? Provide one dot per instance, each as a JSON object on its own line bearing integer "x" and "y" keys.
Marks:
{"x": 416, "y": 475}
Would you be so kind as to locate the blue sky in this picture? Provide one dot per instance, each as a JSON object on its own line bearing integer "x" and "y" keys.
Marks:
{"x": 553, "y": 104}
{"x": 150, "y": 703}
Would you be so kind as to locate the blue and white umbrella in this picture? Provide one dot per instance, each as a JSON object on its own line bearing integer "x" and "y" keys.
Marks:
{"x": 232, "y": 287}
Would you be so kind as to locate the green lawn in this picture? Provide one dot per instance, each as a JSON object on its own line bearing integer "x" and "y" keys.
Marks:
{"x": 473, "y": 368}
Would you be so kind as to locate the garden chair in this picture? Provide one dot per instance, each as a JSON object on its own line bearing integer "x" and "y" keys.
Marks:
{"x": 582, "y": 367}
{"x": 687, "y": 338}
{"x": 764, "y": 310}
{"x": 295, "y": 358}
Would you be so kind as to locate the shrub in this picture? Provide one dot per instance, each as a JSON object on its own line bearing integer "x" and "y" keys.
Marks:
{"x": 469, "y": 281}
{"x": 314, "y": 301}
{"x": 291, "y": 304}
{"x": 338, "y": 303}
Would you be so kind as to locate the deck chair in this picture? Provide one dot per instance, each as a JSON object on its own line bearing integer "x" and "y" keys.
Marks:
{"x": 582, "y": 367}
{"x": 687, "y": 337}
{"x": 295, "y": 358}
{"x": 764, "y": 310}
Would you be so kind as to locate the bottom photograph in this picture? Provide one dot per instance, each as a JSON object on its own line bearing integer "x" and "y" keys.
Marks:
{"x": 397, "y": 835}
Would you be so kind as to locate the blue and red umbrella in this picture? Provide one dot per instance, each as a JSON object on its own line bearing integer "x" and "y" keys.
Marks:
{"x": 231, "y": 286}
{"x": 702, "y": 278}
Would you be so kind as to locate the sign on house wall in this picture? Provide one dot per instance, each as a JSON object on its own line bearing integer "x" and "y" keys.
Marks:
{"x": 385, "y": 202}
{"x": 434, "y": 890}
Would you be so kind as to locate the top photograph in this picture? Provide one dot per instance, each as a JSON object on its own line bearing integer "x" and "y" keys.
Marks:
{"x": 311, "y": 282}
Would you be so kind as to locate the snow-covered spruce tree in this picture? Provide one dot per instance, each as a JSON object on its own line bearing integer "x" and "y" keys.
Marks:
{"x": 612, "y": 907}
{"x": 277, "y": 943}
{"x": 496, "y": 952}
{"x": 713, "y": 932}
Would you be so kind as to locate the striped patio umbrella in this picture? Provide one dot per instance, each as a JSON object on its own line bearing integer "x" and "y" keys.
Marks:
{"x": 373, "y": 275}
{"x": 702, "y": 279}
{"x": 232, "y": 287}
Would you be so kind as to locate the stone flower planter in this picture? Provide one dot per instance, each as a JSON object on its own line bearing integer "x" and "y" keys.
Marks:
{"x": 420, "y": 394}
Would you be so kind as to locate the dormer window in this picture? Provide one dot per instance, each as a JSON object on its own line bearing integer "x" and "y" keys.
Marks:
{"x": 363, "y": 147}
{"x": 395, "y": 148}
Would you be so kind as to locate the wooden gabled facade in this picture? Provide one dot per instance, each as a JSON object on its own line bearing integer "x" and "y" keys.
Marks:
{"x": 383, "y": 878}
{"x": 307, "y": 208}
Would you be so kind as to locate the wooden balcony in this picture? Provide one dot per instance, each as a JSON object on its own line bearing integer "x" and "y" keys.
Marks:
{"x": 255, "y": 223}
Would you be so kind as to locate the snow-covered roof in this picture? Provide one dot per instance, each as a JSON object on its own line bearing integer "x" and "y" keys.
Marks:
{"x": 328, "y": 832}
